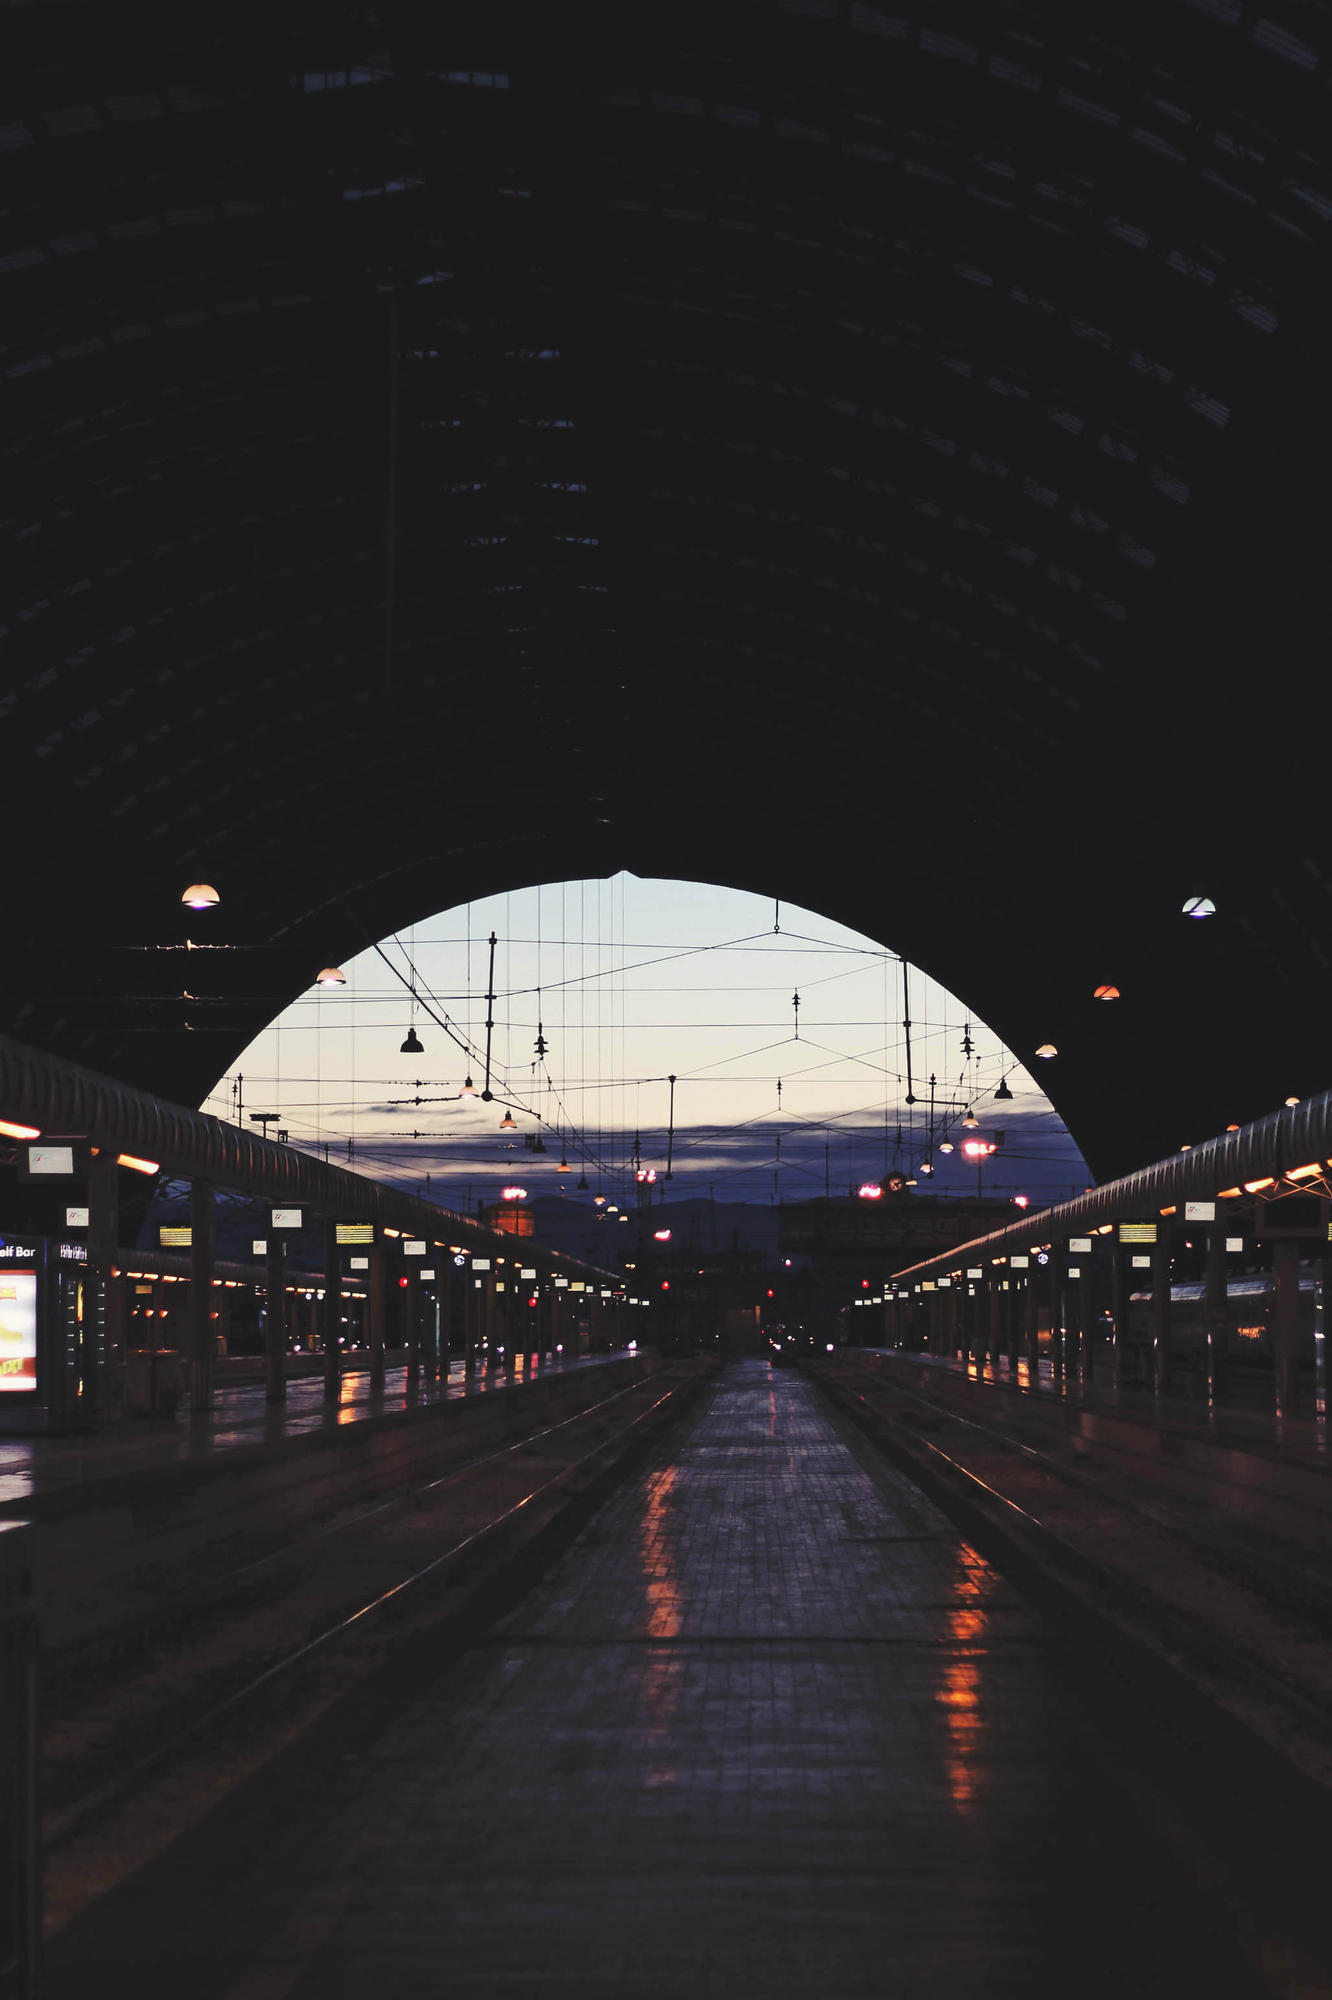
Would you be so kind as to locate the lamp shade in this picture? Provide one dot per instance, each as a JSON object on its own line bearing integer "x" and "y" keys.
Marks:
{"x": 1004, "y": 1094}
{"x": 1047, "y": 1049}
{"x": 413, "y": 1045}
{"x": 200, "y": 896}
{"x": 468, "y": 1089}
{"x": 1106, "y": 993}
{"x": 508, "y": 1123}
{"x": 332, "y": 975}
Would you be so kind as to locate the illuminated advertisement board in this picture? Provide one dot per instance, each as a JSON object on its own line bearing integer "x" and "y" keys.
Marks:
{"x": 18, "y": 1331}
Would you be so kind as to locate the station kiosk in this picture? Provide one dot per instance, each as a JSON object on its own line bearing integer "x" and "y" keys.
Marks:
{"x": 53, "y": 1335}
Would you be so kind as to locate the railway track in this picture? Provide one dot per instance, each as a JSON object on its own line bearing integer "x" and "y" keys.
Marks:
{"x": 136, "y": 1750}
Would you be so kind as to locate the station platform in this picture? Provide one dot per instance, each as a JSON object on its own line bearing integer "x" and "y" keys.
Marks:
{"x": 769, "y": 1726}
{"x": 1241, "y": 1420}
{"x": 33, "y": 1466}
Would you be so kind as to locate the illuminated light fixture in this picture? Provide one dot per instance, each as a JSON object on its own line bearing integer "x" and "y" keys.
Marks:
{"x": 8, "y": 1131}
{"x": 977, "y": 1149}
{"x": 1106, "y": 993}
{"x": 947, "y": 1146}
{"x": 468, "y": 1089}
{"x": 1004, "y": 1094}
{"x": 1021, "y": 1200}
{"x": 871, "y": 1191}
{"x": 924, "y": 1168}
{"x": 598, "y": 1201}
{"x": 508, "y": 1123}
{"x": 1304, "y": 1173}
{"x": 139, "y": 1166}
{"x": 1167, "y": 1211}
{"x": 1228, "y": 1194}
{"x": 332, "y": 975}
{"x": 661, "y": 1236}
{"x": 1046, "y": 1050}
{"x": 413, "y": 1046}
{"x": 513, "y": 1194}
{"x": 971, "y": 1121}
{"x": 1232, "y": 1128}
{"x": 200, "y": 896}
{"x": 1256, "y": 1187}
{"x": 563, "y": 1167}
{"x": 1291, "y": 1102}
{"x": 1199, "y": 906}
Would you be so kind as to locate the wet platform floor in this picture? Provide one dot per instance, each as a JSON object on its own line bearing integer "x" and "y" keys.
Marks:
{"x": 769, "y": 1726}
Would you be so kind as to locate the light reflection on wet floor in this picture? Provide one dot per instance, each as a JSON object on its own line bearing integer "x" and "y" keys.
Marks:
{"x": 770, "y": 1726}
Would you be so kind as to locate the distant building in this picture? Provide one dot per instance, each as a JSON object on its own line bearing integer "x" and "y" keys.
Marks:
{"x": 850, "y": 1245}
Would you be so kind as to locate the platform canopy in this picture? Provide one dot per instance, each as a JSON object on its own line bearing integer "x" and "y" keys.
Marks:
{"x": 870, "y": 456}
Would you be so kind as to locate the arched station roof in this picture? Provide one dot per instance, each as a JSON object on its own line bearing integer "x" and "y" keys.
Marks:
{"x": 872, "y": 455}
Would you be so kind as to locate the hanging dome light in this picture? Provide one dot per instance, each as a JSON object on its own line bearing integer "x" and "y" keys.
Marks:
{"x": 1291, "y": 1102}
{"x": 1004, "y": 1094}
{"x": 332, "y": 975}
{"x": 582, "y": 1180}
{"x": 599, "y": 1201}
{"x": 1106, "y": 993}
{"x": 563, "y": 1167}
{"x": 947, "y": 1146}
{"x": 413, "y": 1046}
{"x": 924, "y": 1168}
{"x": 468, "y": 1089}
{"x": 200, "y": 896}
{"x": 1199, "y": 906}
{"x": 971, "y": 1121}
{"x": 508, "y": 1122}
{"x": 1047, "y": 1049}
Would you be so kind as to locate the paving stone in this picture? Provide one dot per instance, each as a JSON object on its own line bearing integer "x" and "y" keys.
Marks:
{"x": 771, "y": 1726}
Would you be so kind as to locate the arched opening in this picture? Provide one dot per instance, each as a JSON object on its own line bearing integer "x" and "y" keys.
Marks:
{"x": 576, "y": 1038}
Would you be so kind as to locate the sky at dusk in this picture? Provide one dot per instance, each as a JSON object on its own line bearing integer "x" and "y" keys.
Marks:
{"x": 626, "y": 982}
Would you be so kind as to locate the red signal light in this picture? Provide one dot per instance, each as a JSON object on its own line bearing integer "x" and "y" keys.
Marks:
{"x": 769, "y": 1291}
{"x": 665, "y": 1284}
{"x": 403, "y": 1283}
{"x": 864, "y": 1284}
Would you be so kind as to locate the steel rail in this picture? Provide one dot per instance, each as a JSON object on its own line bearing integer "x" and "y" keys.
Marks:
{"x": 68, "y": 1821}
{"x": 1296, "y": 1136}
{"x": 58, "y": 1096}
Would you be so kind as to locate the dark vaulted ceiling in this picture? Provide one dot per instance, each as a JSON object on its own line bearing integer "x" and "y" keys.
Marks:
{"x": 876, "y": 457}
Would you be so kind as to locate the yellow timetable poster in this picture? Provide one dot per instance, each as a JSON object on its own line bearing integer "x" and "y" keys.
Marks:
{"x": 18, "y": 1330}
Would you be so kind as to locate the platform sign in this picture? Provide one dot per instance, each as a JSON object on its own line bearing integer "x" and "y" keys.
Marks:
{"x": 480, "y": 1263}
{"x": 561, "y": 1284}
{"x": 18, "y": 1332}
{"x": 288, "y": 1218}
{"x": 1200, "y": 1211}
{"x": 1137, "y": 1232}
{"x": 414, "y": 1248}
{"x": 76, "y": 1218}
{"x": 428, "y": 1275}
{"x": 359, "y": 1263}
{"x": 54, "y": 1159}
{"x": 1142, "y": 1263}
{"x": 975, "y": 1274}
{"x": 172, "y": 1238}
{"x": 1019, "y": 1263}
{"x": 525, "y": 1273}
{"x": 1079, "y": 1246}
{"x": 258, "y": 1246}
{"x": 1237, "y": 1242}
{"x": 356, "y": 1232}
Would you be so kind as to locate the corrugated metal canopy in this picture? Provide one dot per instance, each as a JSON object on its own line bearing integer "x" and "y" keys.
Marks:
{"x": 870, "y": 456}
